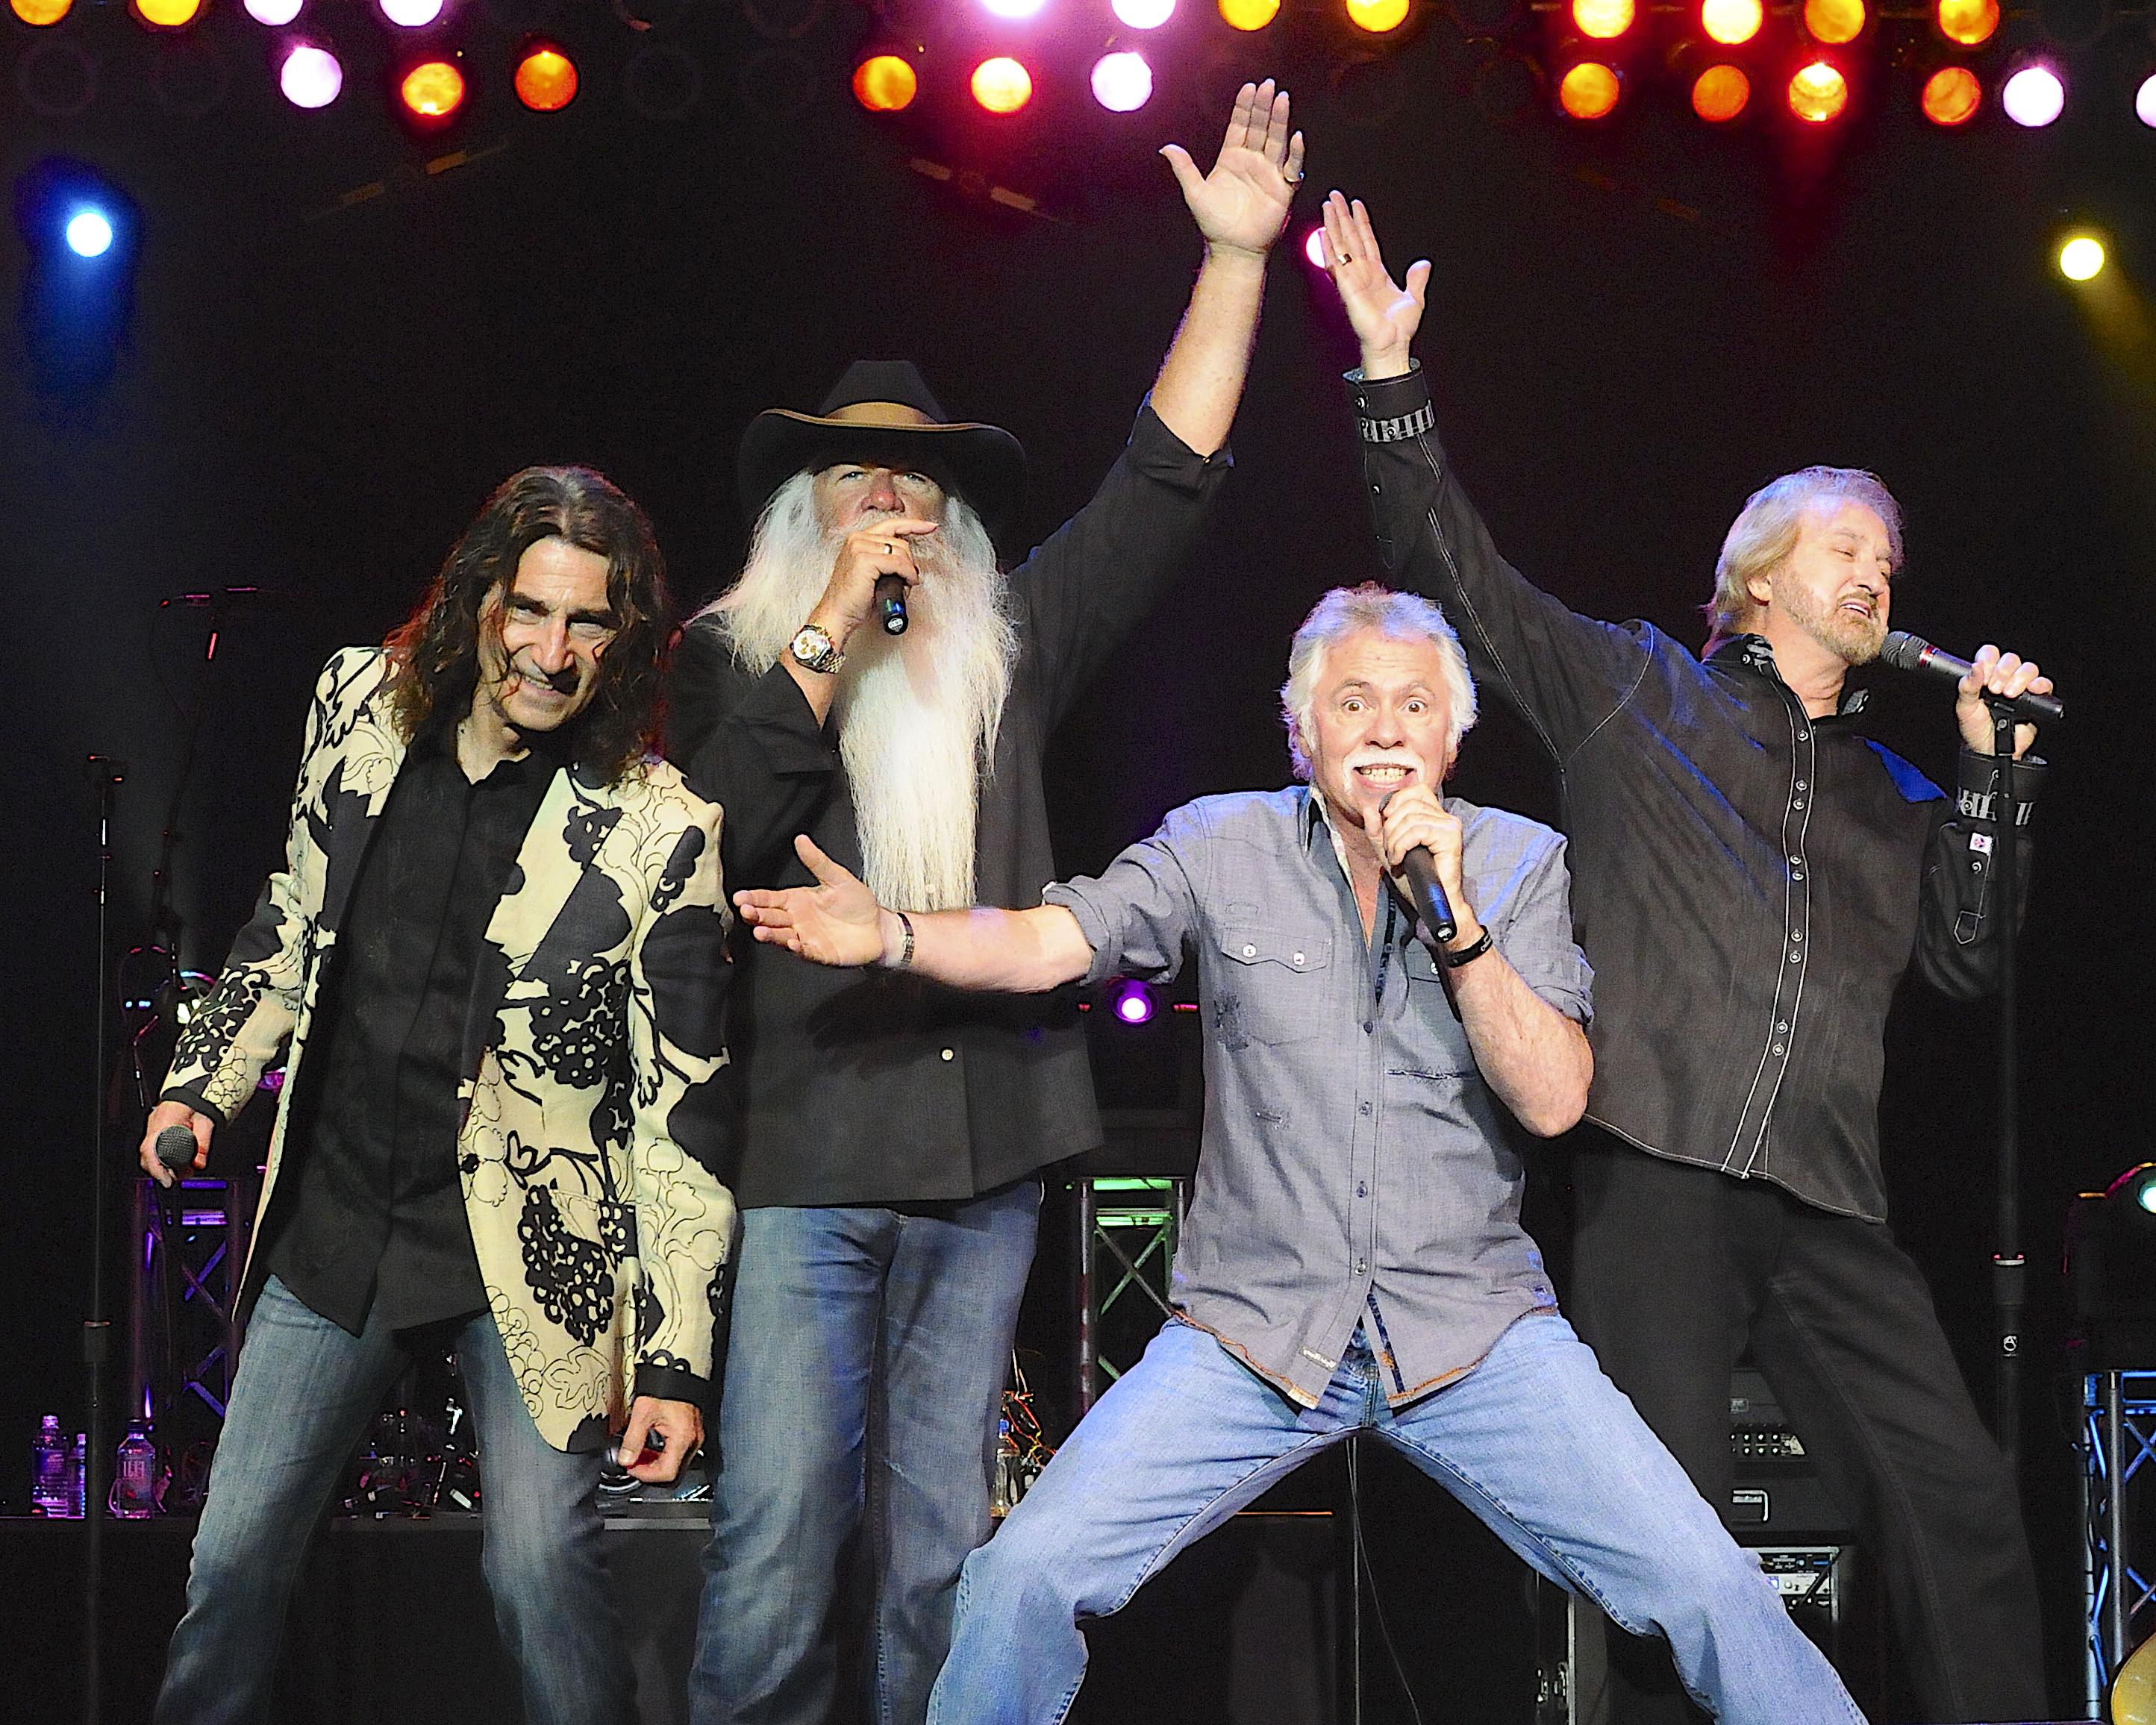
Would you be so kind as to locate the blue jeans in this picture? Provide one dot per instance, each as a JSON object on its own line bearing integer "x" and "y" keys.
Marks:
{"x": 1535, "y": 1441}
{"x": 304, "y": 1396}
{"x": 864, "y": 1376}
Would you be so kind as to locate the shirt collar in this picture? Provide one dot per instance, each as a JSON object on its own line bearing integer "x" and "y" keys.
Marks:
{"x": 1755, "y": 654}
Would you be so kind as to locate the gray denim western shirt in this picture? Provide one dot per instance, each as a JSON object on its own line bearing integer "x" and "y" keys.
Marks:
{"x": 1354, "y": 1169}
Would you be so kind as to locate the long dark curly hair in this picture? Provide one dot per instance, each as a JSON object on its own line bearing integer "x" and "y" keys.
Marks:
{"x": 434, "y": 655}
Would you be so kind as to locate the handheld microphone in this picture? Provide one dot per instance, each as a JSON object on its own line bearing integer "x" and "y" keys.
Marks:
{"x": 890, "y": 604}
{"x": 1425, "y": 893}
{"x": 1906, "y": 651}
{"x": 175, "y": 1148}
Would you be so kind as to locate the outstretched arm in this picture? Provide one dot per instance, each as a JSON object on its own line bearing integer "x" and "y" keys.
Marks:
{"x": 1384, "y": 313}
{"x": 838, "y": 922}
{"x": 1240, "y": 208}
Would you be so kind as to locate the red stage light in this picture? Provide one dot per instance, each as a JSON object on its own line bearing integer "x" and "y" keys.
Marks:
{"x": 545, "y": 79}
{"x": 1589, "y": 90}
{"x": 1002, "y": 85}
{"x": 1817, "y": 92}
{"x": 1952, "y": 96}
{"x": 1603, "y": 20}
{"x": 885, "y": 83}
{"x": 1835, "y": 21}
{"x": 1731, "y": 22}
{"x": 432, "y": 90}
{"x": 1970, "y": 22}
{"x": 1721, "y": 93}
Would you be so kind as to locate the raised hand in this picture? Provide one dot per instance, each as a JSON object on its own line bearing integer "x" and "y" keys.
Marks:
{"x": 1242, "y": 205}
{"x": 835, "y": 922}
{"x": 1384, "y": 313}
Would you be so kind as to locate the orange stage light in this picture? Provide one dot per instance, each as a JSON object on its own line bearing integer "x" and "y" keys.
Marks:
{"x": 885, "y": 83}
{"x": 545, "y": 79}
{"x": 41, "y": 13}
{"x": 1589, "y": 90}
{"x": 1377, "y": 16}
{"x": 1835, "y": 21}
{"x": 1002, "y": 85}
{"x": 1721, "y": 93}
{"x": 1951, "y": 96}
{"x": 1971, "y": 22}
{"x": 1604, "y": 20}
{"x": 1249, "y": 14}
{"x": 1817, "y": 93}
{"x": 167, "y": 14}
{"x": 1731, "y": 22}
{"x": 434, "y": 89}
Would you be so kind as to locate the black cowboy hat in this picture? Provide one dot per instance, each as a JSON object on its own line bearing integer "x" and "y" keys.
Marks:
{"x": 882, "y": 411}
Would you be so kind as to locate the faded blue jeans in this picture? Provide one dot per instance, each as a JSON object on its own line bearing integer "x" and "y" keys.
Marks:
{"x": 865, "y": 1374}
{"x": 303, "y": 1399}
{"x": 1535, "y": 1441}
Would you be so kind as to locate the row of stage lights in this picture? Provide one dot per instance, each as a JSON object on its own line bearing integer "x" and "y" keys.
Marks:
{"x": 1590, "y": 70}
{"x": 431, "y": 86}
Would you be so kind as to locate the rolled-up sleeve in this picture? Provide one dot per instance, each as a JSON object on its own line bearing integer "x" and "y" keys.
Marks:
{"x": 1536, "y": 936}
{"x": 1137, "y": 915}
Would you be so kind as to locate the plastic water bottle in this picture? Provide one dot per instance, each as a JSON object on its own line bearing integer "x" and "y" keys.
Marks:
{"x": 135, "y": 1475}
{"x": 1004, "y": 1483}
{"x": 78, "y": 1458}
{"x": 48, "y": 1469}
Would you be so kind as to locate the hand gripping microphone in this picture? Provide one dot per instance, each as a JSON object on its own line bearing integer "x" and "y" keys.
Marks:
{"x": 890, "y": 604}
{"x": 176, "y": 1149}
{"x": 1906, "y": 651}
{"x": 1425, "y": 893}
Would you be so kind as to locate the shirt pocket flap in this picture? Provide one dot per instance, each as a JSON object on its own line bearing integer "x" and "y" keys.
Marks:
{"x": 1247, "y": 945}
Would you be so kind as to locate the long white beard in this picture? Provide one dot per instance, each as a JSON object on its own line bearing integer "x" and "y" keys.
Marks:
{"x": 917, "y": 713}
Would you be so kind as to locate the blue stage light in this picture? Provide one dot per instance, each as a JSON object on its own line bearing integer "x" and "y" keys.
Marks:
{"x": 90, "y": 233}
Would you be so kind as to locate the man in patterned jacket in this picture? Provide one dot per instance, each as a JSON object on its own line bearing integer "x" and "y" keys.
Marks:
{"x": 497, "y": 949}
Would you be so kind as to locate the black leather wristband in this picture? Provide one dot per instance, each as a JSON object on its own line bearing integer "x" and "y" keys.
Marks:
{"x": 1467, "y": 954}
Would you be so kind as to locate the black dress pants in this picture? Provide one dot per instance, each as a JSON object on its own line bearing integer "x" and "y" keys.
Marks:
{"x": 1676, "y": 1269}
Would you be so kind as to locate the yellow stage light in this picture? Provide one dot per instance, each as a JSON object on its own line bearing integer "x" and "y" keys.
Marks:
{"x": 1818, "y": 93}
{"x": 1249, "y": 14}
{"x": 545, "y": 79}
{"x": 885, "y": 83}
{"x": 1604, "y": 20}
{"x": 167, "y": 14}
{"x": 2081, "y": 258}
{"x": 1589, "y": 89}
{"x": 1720, "y": 93}
{"x": 41, "y": 13}
{"x": 1731, "y": 22}
{"x": 1835, "y": 21}
{"x": 434, "y": 89}
{"x": 1951, "y": 96}
{"x": 1971, "y": 22}
{"x": 1002, "y": 85}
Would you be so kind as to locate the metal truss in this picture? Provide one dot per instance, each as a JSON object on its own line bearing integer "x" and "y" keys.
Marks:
{"x": 1127, "y": 1229}
{"x": 2119, "y": 1441}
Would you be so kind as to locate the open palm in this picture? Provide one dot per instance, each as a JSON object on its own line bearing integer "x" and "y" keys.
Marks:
{"x": 1243, "y": 203}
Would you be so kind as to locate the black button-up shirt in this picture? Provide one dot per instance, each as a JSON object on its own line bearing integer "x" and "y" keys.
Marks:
{"x": 1749, "y": 883}
{"x": 371, "y": 1216}
{"x": 1356, "y": 1170}
{"x": 867, "y": 1087}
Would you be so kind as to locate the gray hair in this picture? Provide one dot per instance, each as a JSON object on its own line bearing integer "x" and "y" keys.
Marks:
{"x": 1402, "y": 617}
{"x": 1765, "y": 532}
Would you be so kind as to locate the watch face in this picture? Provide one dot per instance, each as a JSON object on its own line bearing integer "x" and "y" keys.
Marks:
{"x": 814, "y": 648}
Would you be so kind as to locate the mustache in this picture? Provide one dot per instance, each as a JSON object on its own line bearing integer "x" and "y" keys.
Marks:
{"x": 563, "y": 682}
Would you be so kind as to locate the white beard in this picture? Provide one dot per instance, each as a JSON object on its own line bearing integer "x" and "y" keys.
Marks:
{"x": 918, "y": 713}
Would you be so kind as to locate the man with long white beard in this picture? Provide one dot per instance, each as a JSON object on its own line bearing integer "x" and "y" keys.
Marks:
{"x": 892, "y": 1134}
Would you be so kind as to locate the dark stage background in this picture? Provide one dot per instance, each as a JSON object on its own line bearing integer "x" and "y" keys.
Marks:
{"x": 1629, "y": 330}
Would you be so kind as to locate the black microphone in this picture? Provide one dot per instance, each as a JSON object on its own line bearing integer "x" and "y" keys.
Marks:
{"x": 175, "y": 1148}
{"x": 890, "y": 604}
{"x": 229, "y": 599}
{"x": 1906, "y": 651}
{"x": 1425, "y": 893}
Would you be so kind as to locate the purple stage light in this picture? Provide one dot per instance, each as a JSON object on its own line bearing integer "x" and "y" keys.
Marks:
{"x": 311, "y": 77}
{"x": 1313, "y": 247}
{"x": 2145, "y": 100}
{"x": 2035, "y": 95}
{"x": 1145, "y": 14}
{"x": 1122, "y": 83}
{"x": 275, "y": 14}
{"x": 1133, "y": 1003}
{"x": 411, "y": 14}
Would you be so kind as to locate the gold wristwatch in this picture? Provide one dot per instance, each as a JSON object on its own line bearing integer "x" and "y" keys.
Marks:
{"x": 814, "y": 650}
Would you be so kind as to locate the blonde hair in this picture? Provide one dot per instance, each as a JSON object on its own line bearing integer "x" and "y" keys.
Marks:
{"x": 1765, "y": 532}
{"x": 1402, "y": 617}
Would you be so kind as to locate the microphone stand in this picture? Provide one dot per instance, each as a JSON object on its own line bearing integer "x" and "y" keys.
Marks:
{"x": 2008, "y": 1268}
{"x": 108, "y": 774}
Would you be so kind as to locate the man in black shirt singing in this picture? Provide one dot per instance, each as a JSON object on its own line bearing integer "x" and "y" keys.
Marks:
{"x": 1751, "y": 877}
{"x": 892, "y": 1134}
{"x": 497, "y": 950}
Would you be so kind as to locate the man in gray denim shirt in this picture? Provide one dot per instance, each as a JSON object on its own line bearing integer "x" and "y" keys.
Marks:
{"x": 1353, "y": 1258}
